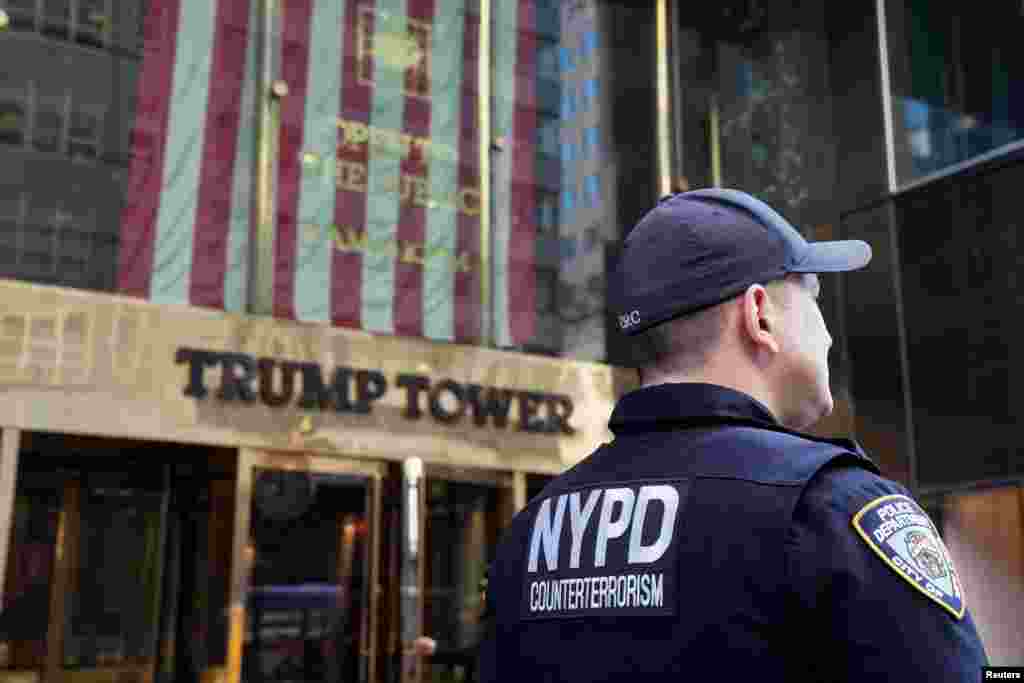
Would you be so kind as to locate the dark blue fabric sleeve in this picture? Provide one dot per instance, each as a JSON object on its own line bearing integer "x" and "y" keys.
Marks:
{"x": 859, "y": 619}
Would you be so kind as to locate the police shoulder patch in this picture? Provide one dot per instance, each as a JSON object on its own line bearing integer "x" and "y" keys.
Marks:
{"x": 901, "y": 533}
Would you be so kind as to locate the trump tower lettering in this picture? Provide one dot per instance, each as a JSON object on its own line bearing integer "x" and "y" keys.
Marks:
{"x": 604, "y": 550}
{"x": 900, "y": 532}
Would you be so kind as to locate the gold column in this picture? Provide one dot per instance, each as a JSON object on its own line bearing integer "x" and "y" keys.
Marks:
{"x": 662, "y": 95}
{"x": 412, "y": 570}
{"x": 375, "y": 518}
{"x": 715, "y": 141}
{"x": 65, "y": 578}
{"x": 487, "y": 334}
{"x": 8, "y": 478}
{"x": 887, "y": 104}
{"x": 421, "y": 567}
{"x": 519, "y": 490}
{"x": 241, "y": 560}
{"x": 261, "y": 267}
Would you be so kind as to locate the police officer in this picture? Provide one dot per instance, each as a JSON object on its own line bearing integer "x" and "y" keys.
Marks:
{"x": 711, "y": 539}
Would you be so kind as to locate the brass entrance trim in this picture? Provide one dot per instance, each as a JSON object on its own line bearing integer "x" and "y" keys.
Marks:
{"x": 8, "y": 476}
{"x": 250, "y": 460}
{"x": 412, "y": 570}
{"x": 488, "y": 336}
{"x": 662, "y": 93}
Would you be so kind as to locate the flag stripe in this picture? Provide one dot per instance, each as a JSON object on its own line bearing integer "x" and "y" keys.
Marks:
{"x": 213, "y": 214}
{"x": 466, "y": 289}
{"x": 523, "y": 233}
{"x": 148, "y": 142}
{"x": 409, "y": 277}
{"x": 295, "y": 22}
{"x": 350, "y": 205}
{"x": 316, "y": 205}
{"x": 407, "y": 269}
{"x": 504, "y": 69}
{"x": 236, "y": 279}
{"x": 383, "y": 170}
{"x": 447, "y": 76}
{"x": 172, "y": 255}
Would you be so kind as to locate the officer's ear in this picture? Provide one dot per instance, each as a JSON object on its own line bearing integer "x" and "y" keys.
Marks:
{"x": 759, "y": 318}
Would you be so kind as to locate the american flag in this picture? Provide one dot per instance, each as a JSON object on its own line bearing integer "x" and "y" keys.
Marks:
{"x": 377, "y": 217}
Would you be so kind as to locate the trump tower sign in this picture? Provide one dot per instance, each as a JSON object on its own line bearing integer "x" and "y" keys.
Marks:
{"x": 80, "y": 362}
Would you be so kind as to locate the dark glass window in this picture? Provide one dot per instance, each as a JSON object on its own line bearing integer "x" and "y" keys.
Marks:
{"x": 22, "y": 14}
{"x": 591, "y": 141}
{"x": 961, "y": 258}
{"x": 758, "y": 110}
{"x": 568, "y": 152}
{"x": 40, "y": 240}
{"x": 93, "y": 125}
{"x": 50, "y": 117}
{"x": 952, "y": 78}
{"x": 13, "y": 113}
{"x": 872, "y": 326}
{"x": 592, "y": 191}
{"x": 94, "y": 22}
{"x": 12, "y": 219}
{"x": 84, "y": 132}
{"x": 56, "y": 18}
{"x": 565, "y": 61}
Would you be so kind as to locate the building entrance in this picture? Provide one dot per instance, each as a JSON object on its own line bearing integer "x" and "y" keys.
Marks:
{"x": 311, "y": 558}
{"x": 142, "y": 562}
{"x": 117, "y": 563}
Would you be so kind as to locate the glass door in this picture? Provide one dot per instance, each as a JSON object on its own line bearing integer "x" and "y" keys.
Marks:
{"x": 119, "y": 563}
{"x": 311, "y": 557}
{"x": 112, "y": 564}
{"x": 86, "y": 574}
{"x": 24, "y": 620}
{"x": 465, "y": 513}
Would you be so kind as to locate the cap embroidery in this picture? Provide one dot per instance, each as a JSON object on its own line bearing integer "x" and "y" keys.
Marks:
{"x": 628, "y": 320}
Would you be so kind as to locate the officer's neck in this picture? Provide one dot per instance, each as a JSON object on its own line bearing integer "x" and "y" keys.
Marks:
{"x": 733, "y": 376}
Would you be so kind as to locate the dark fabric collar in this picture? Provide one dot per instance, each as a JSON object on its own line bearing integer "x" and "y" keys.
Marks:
{"x": 666, "y": 406}
{"x": 670, "y": 407}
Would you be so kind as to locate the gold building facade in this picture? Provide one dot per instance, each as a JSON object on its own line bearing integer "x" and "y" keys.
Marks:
{"x": 223, "y": 496}
{"x": 301, "y": 300}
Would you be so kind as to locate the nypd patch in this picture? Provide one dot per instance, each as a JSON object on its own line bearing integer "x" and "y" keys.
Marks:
{"x": 901, "y": 533}
{"x": 604, "y": 551}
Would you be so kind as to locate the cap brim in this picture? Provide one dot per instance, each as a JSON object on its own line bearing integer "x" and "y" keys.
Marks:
{"x": 834, "y": 257}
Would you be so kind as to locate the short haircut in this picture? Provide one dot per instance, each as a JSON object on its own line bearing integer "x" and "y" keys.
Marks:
{"x": 684, "y": 344}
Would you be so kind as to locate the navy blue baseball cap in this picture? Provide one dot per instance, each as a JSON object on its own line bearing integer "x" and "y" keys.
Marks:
{"x": 697, "y": 249}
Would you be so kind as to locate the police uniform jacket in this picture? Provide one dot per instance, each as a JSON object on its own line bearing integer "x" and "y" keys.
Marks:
{"x": 708, "y": 540}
